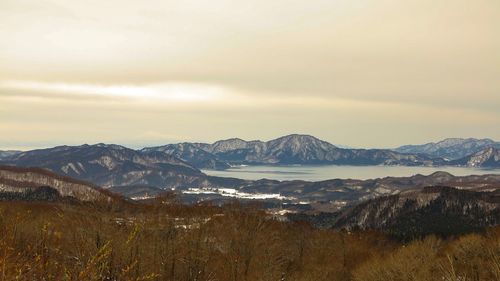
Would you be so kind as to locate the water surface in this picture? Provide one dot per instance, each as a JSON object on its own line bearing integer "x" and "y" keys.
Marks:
{"x": 318, "y": 173}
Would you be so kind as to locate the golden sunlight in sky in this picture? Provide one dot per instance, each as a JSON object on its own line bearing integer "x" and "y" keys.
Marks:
{"x": 363, "y": 73}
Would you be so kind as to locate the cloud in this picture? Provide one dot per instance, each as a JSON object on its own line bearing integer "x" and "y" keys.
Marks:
{"x": 415, "y": 51}
{"x": 211, "y": 69}
{"x": 166, "y": 92}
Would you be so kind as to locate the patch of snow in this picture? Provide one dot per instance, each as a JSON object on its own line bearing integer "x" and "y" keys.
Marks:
{"x": 231, "y": 192}
{"x": 69, "y": 166}
{"x": 144, "y": 197}
{"x": 339, "y": 203}
{"x": 354, "y": 187}
{"x": 382, "y": 190}
{"x": 106, "y": 162}
{"x": 81, "y": 166}
{"x": 282, "y": 212}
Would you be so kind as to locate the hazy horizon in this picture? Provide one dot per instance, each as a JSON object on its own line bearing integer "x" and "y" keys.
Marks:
{"x": 144, "y": 145}
{"x": 358, "y": 73}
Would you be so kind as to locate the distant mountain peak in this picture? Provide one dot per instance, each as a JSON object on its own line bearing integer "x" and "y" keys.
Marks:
{"x": 231, "y": 140}
{"x": 457, "y": 141}
{"x": 228, "y": 144}
{"x": 105, "y": 145}
{"x": 450, "y": 148}
{"x": 441, "y": 174}
{"x": 301, "y": 144}
{"x": 488, "y": 157}
{"x": 299, "y": 137}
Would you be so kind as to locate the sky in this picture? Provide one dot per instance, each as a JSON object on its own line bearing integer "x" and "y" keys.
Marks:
{"x": 360, "y": 73}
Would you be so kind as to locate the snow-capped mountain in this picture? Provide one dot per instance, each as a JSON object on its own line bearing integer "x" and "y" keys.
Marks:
{"x": 222, "y": 146}
{"x": 192, "y": 154}
{"x": 488, "y": 157}
{"x": 110, "y": 165}
{"x": 287, "y": 150}
{"x": 8, "y": 153}
{"x": 291, "y": 149}
{"x": 451, "y": 148}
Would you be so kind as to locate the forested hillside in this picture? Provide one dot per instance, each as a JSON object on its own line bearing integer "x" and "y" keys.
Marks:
{"x": 167, "y": 241}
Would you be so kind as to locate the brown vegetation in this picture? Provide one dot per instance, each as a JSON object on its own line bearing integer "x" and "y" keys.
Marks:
{"x": 167, "y": 241}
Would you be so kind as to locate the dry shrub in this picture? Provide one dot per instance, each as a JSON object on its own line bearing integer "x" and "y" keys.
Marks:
{"x": 413, "y": 262}
{"x": 473, "y": 257}
{"x": 69, "y": 242}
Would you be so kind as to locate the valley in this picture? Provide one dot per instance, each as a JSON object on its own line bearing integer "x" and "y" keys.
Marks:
{"x": 300, "y": 179}
{"x": 125, "y": 214}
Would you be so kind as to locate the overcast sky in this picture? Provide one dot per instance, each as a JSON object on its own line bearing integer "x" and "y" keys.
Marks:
{"x": 362, "y": 73}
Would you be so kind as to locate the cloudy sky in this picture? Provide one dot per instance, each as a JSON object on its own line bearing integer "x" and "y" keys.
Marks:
{"x": 362, "y": 73}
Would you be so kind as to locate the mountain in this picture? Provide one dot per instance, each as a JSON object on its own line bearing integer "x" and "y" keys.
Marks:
{"x": 230, "y": 145}
{"x": 40, "y": 184}
{"x": 451, "y": 148}
{"x": 4, "y": 154}
{"x": 487, "y": 158}
{"x": 193, "y": 154}
{"x": 438, "y": 210}
{"x": 111, "y": 165}
{"x": 291, "y": 149}
{"x": 288, "y": 150}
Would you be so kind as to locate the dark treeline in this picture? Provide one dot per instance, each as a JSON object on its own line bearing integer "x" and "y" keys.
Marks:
{"x": 157, "y": 241}
{"x": 44, "y": 193}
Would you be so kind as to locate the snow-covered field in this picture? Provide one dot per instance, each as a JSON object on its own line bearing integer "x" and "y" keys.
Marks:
{"x": 230, "y": 192}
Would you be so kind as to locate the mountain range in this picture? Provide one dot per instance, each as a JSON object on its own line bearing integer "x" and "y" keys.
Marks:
{"x": 408, "y": 208}
{"x": 110, "y": 165}
{"x": 298, "y": 149}
{"x": 177, "y": 165}
{"x": 304, "y": 149}
{"x": 288, "y": 150}
{"x": 144, "y": 173}
{"x": 451, "y": 148}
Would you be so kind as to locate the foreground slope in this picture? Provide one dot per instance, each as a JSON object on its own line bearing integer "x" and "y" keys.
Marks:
{"x": 157, "y": 242}
{"x": 15, "y": 180}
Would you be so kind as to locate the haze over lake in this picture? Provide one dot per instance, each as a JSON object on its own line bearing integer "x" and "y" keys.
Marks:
{"x": 319, "y": 173}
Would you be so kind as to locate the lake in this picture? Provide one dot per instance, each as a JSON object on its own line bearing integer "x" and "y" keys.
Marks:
{"x": 325, "y": 172}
